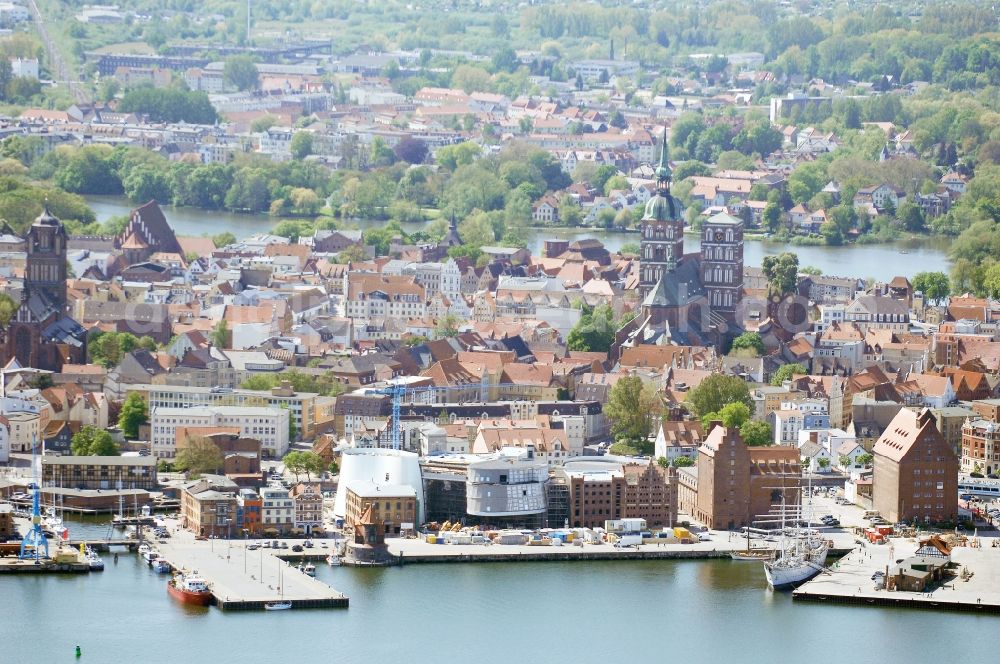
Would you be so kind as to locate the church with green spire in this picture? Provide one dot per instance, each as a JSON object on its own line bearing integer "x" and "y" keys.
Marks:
{"x": 693, "y": 298}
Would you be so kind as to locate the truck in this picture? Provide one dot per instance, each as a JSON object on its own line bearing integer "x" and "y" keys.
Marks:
{"x": 627, "y": 541}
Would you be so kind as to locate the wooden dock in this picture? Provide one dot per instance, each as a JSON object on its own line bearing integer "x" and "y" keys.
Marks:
{"x": 243, "y": 580}
{"x": 850, "y": 580}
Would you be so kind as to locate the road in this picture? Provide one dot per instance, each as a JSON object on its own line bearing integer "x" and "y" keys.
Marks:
{"x": 60, "y": 71}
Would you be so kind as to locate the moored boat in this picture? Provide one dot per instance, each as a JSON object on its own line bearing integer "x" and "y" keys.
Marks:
{"x": 277, "y": 606}
{"x": 189, "y": 589}
{"x": 161, "y": 566}
{"x": 94, "y": 561}
{"x": 309, "y": 569}
{"x": 333, "y": 559}
{"x": 753, "y": 554}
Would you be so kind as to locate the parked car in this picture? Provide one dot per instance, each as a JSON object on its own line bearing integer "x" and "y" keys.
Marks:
{"x": 705, "y": 537}
{"x": 297, "y": 548}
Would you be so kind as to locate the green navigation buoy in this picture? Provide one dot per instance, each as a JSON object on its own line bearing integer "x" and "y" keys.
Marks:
{"x": 78, "y": 651}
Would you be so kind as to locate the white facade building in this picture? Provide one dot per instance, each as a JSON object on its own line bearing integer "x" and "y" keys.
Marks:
{"x": 268, "y": 425}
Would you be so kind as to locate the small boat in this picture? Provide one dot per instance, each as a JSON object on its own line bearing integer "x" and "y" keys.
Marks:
{"x": 94, "y": 561}
{"x": 144, "y": 549}
{"x": 150, "y": 556}
{"x": 52, "y": 523}
{"x": 277, "y": 606}
{"x": 333, "y": 559}
{"x": 752, "y": 554}
{"x": 161, "y": 566}
{"x": 309, "y": 570}
{"x": 189, "y": 589}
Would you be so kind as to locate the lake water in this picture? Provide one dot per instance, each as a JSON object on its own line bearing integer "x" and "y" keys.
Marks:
{"x": 581, "y": 612}
{"x": 880, "y": 261}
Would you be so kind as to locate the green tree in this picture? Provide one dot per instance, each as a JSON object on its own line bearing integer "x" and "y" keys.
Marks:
{"x": 756, "y": 433}
{"x": 786, "y": 371}
{"x": 450, "y": 157}
{"x": 683, "y": 462}
{"x": 240, "y": 71}
{"x": 220, "y": 334}
{"x": 223, "y": 239}
{"x": 732, "y": 415}
{"x": 934, "y": 285}
{"x": 595, "y": 331}
{"x": 295, "y": 462}
{"x": 622, "y": 448}
{"x": 264, "y": 123}
{"x": 169, "y": 105}
{"x": 991, "y": 281}
{"x": 91, "y": 441}
{"x": 717, "y": 391}
{"x": 632, "y": 409}
{"x": 249, "y": 191}
{"x": 411, "y": 150}
{"x": 911, "y": 217}
{"x": 7, "y": 309}
{"x": 750, "y": 341}
{"x": 199, "y": 455}
{"x": 781, "y": 272}
{"x": 301, "y": 145}
{"x": 865, "y": 459}
{"x": 447, "y": 326}
{"x": 771, "y": 217}
{"x": 133, "y": 414}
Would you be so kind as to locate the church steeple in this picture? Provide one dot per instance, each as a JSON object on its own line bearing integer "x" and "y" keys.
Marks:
{"x": 662, "y": 244}
{"x": 663, "y": 172}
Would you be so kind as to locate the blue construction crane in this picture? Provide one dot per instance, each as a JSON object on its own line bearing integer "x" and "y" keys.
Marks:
{"x": 34, "y": 541}
{"x": 398, "y": 392}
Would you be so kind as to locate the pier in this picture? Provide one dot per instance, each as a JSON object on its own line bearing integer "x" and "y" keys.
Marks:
{"x": 850, "y": 580}
{"x": 414, "y": 551}
{"x": 243, "y": 580}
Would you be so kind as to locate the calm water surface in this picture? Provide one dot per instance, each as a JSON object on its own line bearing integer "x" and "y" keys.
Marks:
{"x": 880, "y": 261}
{"x": 696, "y": 611}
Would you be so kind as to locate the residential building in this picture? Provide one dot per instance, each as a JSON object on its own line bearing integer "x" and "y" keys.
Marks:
{"x": 277, "y": 511}
{"x": 209, "y": 507}
{"x": 980, "y": 446}
{"x": 308, "y": 507}
{"x": 249, "y": 517}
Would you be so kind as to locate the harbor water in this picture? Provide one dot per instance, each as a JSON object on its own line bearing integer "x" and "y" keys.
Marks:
{"x": 581, "y": 612}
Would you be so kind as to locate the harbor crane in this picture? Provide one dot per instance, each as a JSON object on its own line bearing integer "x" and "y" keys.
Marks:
{"x": 34, "y": 542}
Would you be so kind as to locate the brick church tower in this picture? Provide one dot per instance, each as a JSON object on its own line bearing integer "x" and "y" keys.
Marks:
{"x": 722, "y": 263}
{"x": 45, "y": 265}
{"x": 662, "y": 244}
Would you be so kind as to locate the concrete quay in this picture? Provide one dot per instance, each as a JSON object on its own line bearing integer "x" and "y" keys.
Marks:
{"x": 17, "y": 566}
{"x": 247, "y": 580}
{"x": 413, "y": 551}
{"x": 850, "y": 580}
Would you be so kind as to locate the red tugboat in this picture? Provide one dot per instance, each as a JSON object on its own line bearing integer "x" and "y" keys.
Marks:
{"x": 189, "y": 589}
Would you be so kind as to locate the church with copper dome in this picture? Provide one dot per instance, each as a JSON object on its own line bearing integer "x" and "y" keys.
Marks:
{"x": 687, "y": 298}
